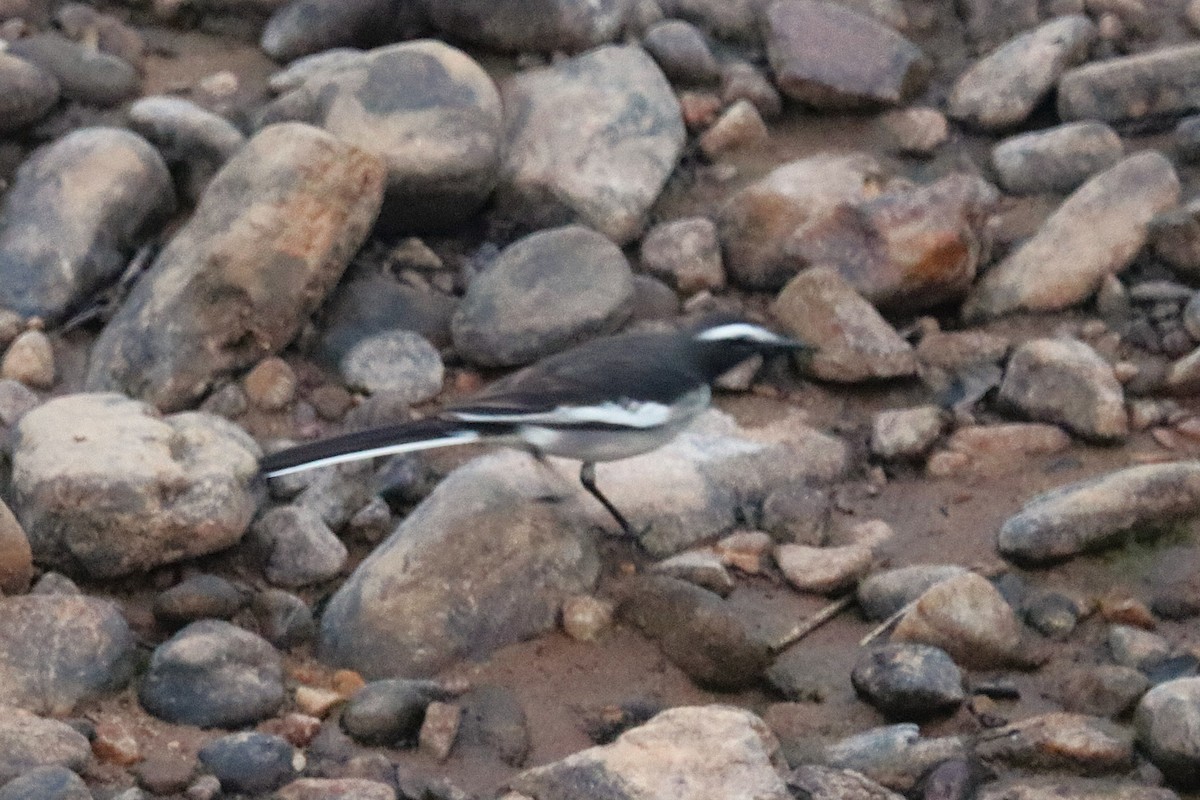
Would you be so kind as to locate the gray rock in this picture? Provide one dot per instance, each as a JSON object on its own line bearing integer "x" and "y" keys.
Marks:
{"x": 825, "y": 783}
{"x": 518, "y": 26}
{"x": 544, "y": 293}
{"x": 28, "y": 742}
{"x": 76, "y": 211}
{"x": 830, "y": 57}
{"x": 366, "y": 305}
{"x": 695, "y": 630}
{"x": 430, "y": 112}
{"x": 16, "y": 400}
{"x": 59, "y": 650}
{"x": 1187, "y": 138}
{"x": 1162, "y": 82}
{"x": 704, "y": 568}
{"x": 302, "y": 27}
{"x": 1094, "y": 513}
{"x": 335, "y": 494}
{"x": 824, "y": 570}
{"x": 906, "y": 432}
{"x": 739, "y": 126}
{"x": 298, "y": 547}
{"x": 297, "y": 72}
{"x": 853, "y": 342}
{"x": 1136, "y": 648}
{"x": 907, "y": 249}
{"x": 1096, "y": 232}
{"x": 30, "y": 360}
{"x": 1060, "y": 741}
{"x": 798, "y": 514}
{"x": 1175, "y": 237}
{"x": 194, "y": 141}
{"x": 968, "y": 618}
{"x": 1052, "y": 788}
{"x": 401, "y": 363}
{"x": 916, "y": 130}
{"x": 1002, "y": 89}
{"x": 482, "y": 531}
{"x": 883, "y": 594}
{"x": 895, "y": 756}
{"x": 742, "y": 81}
{"x": 592, "y": 139}
{"x": 83, "y": 74}
{"x": 682, "y": 51}
{"x": 726, "y": 19}
{"x": 686, "y": 753}
{"x": 389, "y": 712}
{"x": 908, "y": 682}
{"x": 1167, "y": 721}
{"x": 105, "y": 486}
{"x": 1066, "y": 382}
{"x": 684, "y": 253}
{"x": 250, "y": 762}
{"x": 336, "y": 789}
{"x": 198, "y": 597}
{"x": 493, "y": 717}
{"x": 270, "y": 238}
{"x": 46, "y": 783}
{"x": 990, "y": 22}
{"x": 214, "y": 675}
{"x": 756, "y": 224}
{"x": 1104, "y": 690}
{"x": 29, "y": 93}
{"x": 1057, "y": 159}
{"x": 283, "y": 619}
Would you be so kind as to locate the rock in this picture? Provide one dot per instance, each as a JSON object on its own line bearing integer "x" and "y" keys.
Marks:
{"x": 1064, "y": 381}
{"x": 908, "y": 249}
{"x": 884, "y": 593}
{"x": 906, "y": 432}
{"x": 990, "y": 22}
{"x": 1104, "y": 690}
{"x": 195, "y": 142}
{"x": 686, "y": 254}
{"x": 1057, "y": 159}
{"x": 439, "y": 730}
{"x": 695, "y": 630}
{"x": 213, "y": 674}
{"x": 544, "y": 293}
{"x": 61, "y": 650}
{"x": 701, "y": 567}
{"x": 494, "y": 718}
{"x": 271, "y": 385}
{"x": 198, "y": 597}
{"x": 824, "y": 783}
{"x": 993, "y": 449}
{"x": 302, "y": 27}
{"x": 16, "y": 558}
{"x": 1162, "y": 82}
{"x": 402, "y": 363}
{"x": 104, "y": 32}
{"x": 28, "y": 742}
{"x": 1136, "y": 648}
{"x": 1166, "y": 721}
{"x": 46, "y": 783}
{"x": 1175, "y": 237}
{"x": 968, "y": 618}
{"x": 1002, "y": 89}
{"x": 388, "y": 712}
{"x": 366, "y": 305}
{"x": 682, "y": 51}
{"x": 592, "y": 139}
{"x": 336, "y": 789}
{"x": 483, "y": 531}
{"x": 739, "y": 126}
{"x": 430, "y": 112}
{"x": 75, "y": 213}
{"x": 105, "y": 486}
{"x": 853, "y": 342}
{"x": 84, "y": 74}
{"x": 29, "y": 93}
{"x": 917, "y": 130}
{"x": 283, "y": 619}
{"x": 742, "y": 81}
{"x": 726, "y": 19}
{"x": 830, "y": 57}
{"x": 798, "y": 514}
{"x": 298, "y": 547}
{"x": 1183, "y": 376}
{"x": 685, "y": 753}
{"x": 585, "y": 618}
{"x": 1096, "y": 232}
{"x": 1187, "y": 136}
{"x": 909, "y": 682}
{"x": 516, "y": 26}
{"x": 757, "y": 222}
{"x": 297, "y": 72}
{"x": 30, "y": 360}
{"x": 271, "y": 236}
{"x": 825, "y": 570}
{"x": 1072, "y": 743}
{"x": 1051, "y": 788}
{"x": 1093, "y": 513}
{"x": 249, "y": 763}
{"x": 895, "y": 756}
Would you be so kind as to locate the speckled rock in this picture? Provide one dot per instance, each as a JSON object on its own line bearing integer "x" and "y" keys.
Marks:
{"x": 686, "y": 254}
{"x": 401, "y": 363}
{"x": 825, "y": 570}
{"x": 199, "y": 597}
{"x": 1053, "y": 788}
{"x": 1166, "y": 721}
{"x": 249, "y": 762}
{"x": 192, "y": 140}
{"x": 906, "y": 432}
{"x": 28, "y": 742}
{"x": 884, "y": 593}
{"x": 517, "y": 26}
{"x": 896, "y": 756}
{"x": 1057, "y": 159}
{"x": 300, "y": 27}
{"x": 30, "y": 360}
{"x": 336, "y": 789}
{"x": 908, "y": 681}
{"x": 1073, "y": 743}
{"x": 1161, "y": 82}
{"x": 826, "y": 783}
{"x": 298, "y": 547}
{"x": 46, "y": 783}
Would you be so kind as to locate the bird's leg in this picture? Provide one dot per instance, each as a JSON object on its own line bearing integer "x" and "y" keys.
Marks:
{"x": 587, "y": 476}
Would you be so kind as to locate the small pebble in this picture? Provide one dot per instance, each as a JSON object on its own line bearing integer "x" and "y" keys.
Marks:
{"x": 439, "y": 729}
{"x": 317, "y": 702}
{"x": 585, "y": 618}
{"x": 738, "y": 127}
{"x": 115, "y": 744}
{"x": 271, "y": 385}
{"x": 30, "y": 360}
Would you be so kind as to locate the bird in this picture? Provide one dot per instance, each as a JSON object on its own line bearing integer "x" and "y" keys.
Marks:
{"x": 606, "y": 399}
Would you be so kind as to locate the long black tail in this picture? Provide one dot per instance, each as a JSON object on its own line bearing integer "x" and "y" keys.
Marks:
{"x": 388, "y": 440}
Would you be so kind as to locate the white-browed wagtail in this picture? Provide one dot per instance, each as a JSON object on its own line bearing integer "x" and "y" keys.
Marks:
{"x": 606, "y": 399}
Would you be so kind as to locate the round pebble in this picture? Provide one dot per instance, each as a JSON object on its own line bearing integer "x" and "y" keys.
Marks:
{"x": 271, "y": 385}
{"x": 585, "y": 618}
{"x": 30, "y": 360}
{"x": 402, "y": 363}
{"x": 251, "y": 763}
{"x": 908, "y": 682}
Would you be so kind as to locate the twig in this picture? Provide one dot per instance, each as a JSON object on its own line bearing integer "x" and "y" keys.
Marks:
{"x": 812, "y": 623}
{"x": 887, "y": 623}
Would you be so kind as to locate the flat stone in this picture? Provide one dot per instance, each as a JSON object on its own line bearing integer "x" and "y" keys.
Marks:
{"x": 884, "y": 593}
{"x": 28, "y": 742}
{"x": 1002, "y": 89}
{"x": 199, "y": 597}
{"x": 1073, "y": 743}
{"x": 46, "y": 783}
{"x": 906, "y": 432}
{"x": 270, "y": 238}
{"x": 896, "y": 756}
{"x": 1057, "y": 159}
{"x": 1096, "y": 232}
{"x": 401, "y": 363}
{"x": 830, "y": 57}
{"x": 825, "y": 570}
{"x": 591, "y": 139}
{"x": 83, "y": 73}
{"x": 1162, "y": 82}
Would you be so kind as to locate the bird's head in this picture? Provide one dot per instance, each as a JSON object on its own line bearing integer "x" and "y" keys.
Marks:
{"x": 723, "y": 342}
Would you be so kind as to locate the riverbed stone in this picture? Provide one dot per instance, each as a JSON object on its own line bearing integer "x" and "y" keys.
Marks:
{"x": 1161, "y": 82}
{"x": 1057, "y": 159}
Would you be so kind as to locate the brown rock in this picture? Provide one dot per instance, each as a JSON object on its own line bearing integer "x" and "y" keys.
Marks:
{"x": 115, "y": 744}
{"x": 1163, "y": 82}
{"x": 740, "y": 126}
{"x": 1073, "y": 743}
{"x": 30, "y": 360}
{"x": 271, "y": 385}
{"x": 16, "y": 558}
{"x": 824, "y": 570}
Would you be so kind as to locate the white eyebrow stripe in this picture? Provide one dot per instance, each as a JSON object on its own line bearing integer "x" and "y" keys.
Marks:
{"x": 740, "y": 330}
{"x": 630, "y": 414}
